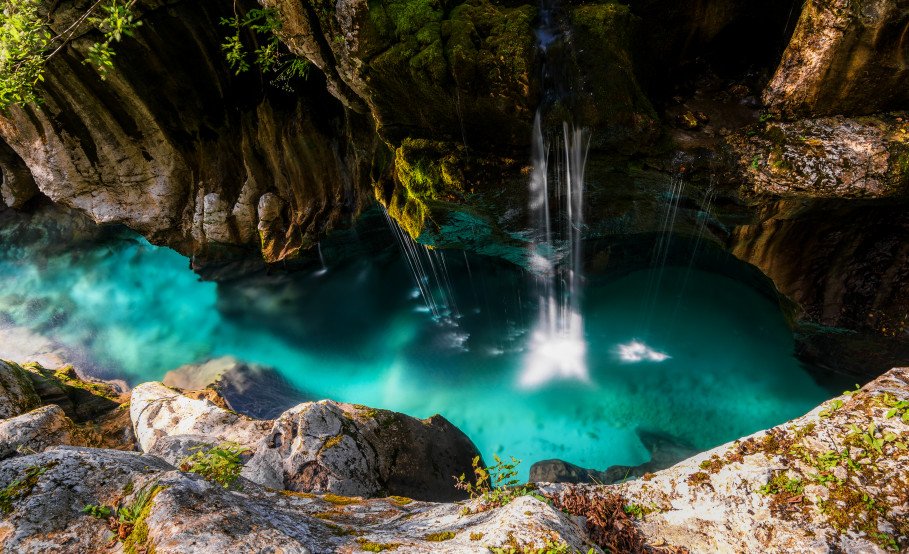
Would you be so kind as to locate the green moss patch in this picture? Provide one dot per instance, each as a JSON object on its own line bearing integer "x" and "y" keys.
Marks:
{"x": 21, "y": 488}
{"x": 440, "y": 536}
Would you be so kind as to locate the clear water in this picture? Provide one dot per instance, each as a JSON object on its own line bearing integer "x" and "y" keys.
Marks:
{"x": 715, "y": 363}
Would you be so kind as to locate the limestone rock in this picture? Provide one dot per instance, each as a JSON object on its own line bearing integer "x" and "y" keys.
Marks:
{"x": 842, "y": 263}
{"x": 793, "y": 487}
{"x": 190, "y": 514}
{"x": 44, "y": 513}
{"x": 17, "y": 394}
{"x": 846, "y": 57}
{"x": 173, "y": 449}
{"x": 314, "y": 447}
{"x": 830, "y": 157}
{"x": 354, "y": 450}
{"x": 184, "y": 161}
{"x": 158, "y": 411}
{"x": 38, "y": 429}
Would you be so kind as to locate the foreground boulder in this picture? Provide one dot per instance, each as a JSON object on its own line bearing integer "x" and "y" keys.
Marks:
{"x": 40, "y": 429}
{"x": 321, "y": 447}
{"x": 834, "y": 480}
{"x": 189, "y": 514}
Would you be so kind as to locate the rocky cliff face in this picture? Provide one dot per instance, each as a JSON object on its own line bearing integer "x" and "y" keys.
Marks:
{"x": 846, "y": 57}
{"x": 427, "y": 108}
{"x": 177, "y": 147}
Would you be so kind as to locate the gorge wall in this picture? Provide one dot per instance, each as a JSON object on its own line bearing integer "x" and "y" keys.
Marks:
{"x": 427, "y": 108}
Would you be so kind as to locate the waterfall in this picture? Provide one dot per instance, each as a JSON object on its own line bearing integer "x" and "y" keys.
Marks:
{"x": 557, "y": 346}
{"x": 430, "y": 273}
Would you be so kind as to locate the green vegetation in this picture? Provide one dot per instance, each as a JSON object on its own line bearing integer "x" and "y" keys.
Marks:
{"x": 496, "y": 485}
{"x": 20, "y": 488}
{"x": 116, "y": 22}
{"x": 340, "y": 500}
{"x": 266, "y": 24}
{"x": 220, "y": 464}
{"x": 129, "y": 520}
{"x": 782, "y": 484}
{"x": 440, "y": 536}
{"x": 27, "y": 43}
{"x": 425, "y": 171}
{"x": 376, "y": 546}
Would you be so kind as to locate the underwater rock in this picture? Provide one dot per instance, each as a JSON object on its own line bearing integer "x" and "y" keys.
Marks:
{"x": 560, "y": 471}
{"x": 664, "y": 452}
{"x": 845, "y": 57}
{"x": 251, "y": 389}
{"x": 39, "y": 429}
{"x": 17, "y": 394}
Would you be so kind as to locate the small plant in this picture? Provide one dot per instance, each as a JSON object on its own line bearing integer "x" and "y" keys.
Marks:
{"x": 496, "y": 485}
{"x": 755, "y": 162}
{"x": 20, "y": 488}
{"x": 829, "y": 410}
{"x": 97, "y": 512}
{"x": 440, "y": 536}
{"x": 635, "y": 510}
{"x": 129, "y": 514}
{"x": 116, "y": 22}
{"x": 123, "y": 520}
{"x": 368, "y": 546}
{"x": 265, "y": 23}
{"x": 220, "y": 464}
{"x": 782, "y": 484}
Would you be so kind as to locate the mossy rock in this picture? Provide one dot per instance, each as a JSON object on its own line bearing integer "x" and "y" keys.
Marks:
{"x": 451, "y": 71}
{"x": 17, "y": 393}
{"x": 610, "y": 99}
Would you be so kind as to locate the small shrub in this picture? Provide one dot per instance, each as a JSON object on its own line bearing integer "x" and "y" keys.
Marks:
{"x": 220, "y": 464}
